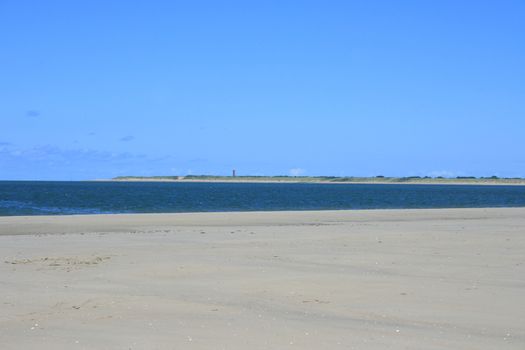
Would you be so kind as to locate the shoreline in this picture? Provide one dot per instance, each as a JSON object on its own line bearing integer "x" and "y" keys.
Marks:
{"x": 46, "y": 218}
{"x": 422, "y": 182}
{"x": 501, "y": 182}
{"x": 48, "y": 224}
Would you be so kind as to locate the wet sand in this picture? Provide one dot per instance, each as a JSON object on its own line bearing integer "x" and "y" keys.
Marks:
{"x": 378, "y": 279}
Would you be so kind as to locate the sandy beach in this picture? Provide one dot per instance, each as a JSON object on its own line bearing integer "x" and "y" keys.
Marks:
{"x": 371, "y": 279}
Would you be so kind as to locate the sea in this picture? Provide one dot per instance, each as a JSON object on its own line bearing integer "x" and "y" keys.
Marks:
{"x": 68, "y": 198}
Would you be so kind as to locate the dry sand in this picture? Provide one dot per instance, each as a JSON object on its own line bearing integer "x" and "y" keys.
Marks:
{"x": 385, "y": 279}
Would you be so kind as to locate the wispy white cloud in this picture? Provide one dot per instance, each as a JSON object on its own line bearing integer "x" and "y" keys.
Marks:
{"x": 52, "y": 162}
{"x": 50, "y": 152}
{"x": 127, "y": 138}
{"x": 445, "y": 173}
{"x": 296, "y": 172}
{"x": 33, "y": 113}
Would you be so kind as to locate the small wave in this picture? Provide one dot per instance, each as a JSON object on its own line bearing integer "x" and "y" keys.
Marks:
{"x": 14, "y": 207}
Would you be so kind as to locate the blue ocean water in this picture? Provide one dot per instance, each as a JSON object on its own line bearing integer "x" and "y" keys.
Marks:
{"x": 59, "y": 198}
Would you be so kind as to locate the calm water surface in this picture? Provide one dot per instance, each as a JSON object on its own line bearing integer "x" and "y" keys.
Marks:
{"x": 53, "y": 198}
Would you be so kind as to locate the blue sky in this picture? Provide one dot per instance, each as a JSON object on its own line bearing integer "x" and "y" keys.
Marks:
{"x": 96, "y": 89}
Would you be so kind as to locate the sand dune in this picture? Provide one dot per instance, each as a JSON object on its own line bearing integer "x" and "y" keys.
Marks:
{"x": 382, "y": 279}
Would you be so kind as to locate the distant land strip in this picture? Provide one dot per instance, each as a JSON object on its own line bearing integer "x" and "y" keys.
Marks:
{"x": 471, "y": 180}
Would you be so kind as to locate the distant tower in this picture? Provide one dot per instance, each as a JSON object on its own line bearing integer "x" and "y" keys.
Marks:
{"x": 233, "y": 173}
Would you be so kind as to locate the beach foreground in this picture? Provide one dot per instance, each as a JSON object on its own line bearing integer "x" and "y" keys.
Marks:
{"x": 382, "y": 279}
